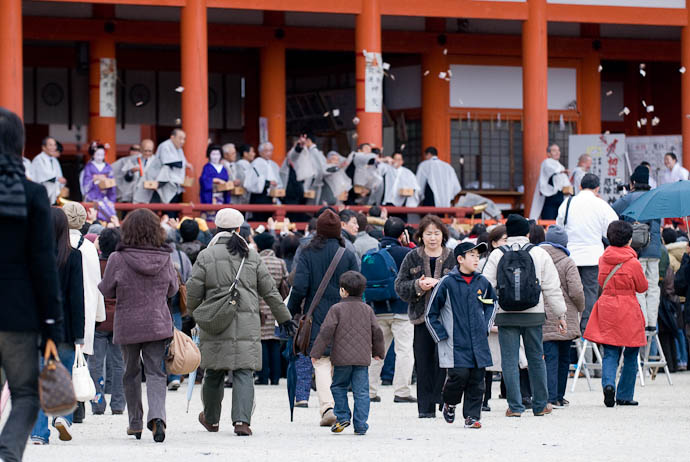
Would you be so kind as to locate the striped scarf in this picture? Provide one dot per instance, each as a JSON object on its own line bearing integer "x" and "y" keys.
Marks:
{"x": 12, "y": 197}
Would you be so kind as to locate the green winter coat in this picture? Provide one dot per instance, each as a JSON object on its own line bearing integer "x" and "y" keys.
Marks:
{"x": 238, "y": 346}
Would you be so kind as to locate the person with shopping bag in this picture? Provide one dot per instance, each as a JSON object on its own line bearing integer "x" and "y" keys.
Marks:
{"x": 69, "y": 264}
{"x": 141, "y": 277}
{"x": 223, "y": 293}
{"x": 28, "y": 283}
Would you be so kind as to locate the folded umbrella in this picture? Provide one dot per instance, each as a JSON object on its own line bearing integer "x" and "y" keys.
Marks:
{"x": 192, "y": 377}
{"x": 671, "y": 200}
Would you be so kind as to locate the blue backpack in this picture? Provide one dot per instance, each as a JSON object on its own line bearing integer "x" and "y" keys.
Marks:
{"x": 380, "y": 270}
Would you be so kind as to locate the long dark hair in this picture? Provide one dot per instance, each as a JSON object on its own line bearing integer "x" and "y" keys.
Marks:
{"x": 61, "y": 229}
{"x": 236, "y": 245}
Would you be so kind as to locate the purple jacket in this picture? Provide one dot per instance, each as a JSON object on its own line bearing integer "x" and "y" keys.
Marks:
{"x": 141, "y": 280}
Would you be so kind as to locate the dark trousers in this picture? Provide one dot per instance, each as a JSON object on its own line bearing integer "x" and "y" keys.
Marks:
{"x": 590, "y": 283}
{"x": 388, "y": 370}
{"x": 18, "y": 357}
{"x": 488, "y": 381}
{"x": 551, "y": 205}
{"x": 152, "y": 354}
{"x": 430, "y": 376}
{"x": 263, "y": 199}
{"x": 557, "y": 358}
{"x": 467, "y": 381}
{"x": 270, "y": 350}
{"x": 213, "y": 390}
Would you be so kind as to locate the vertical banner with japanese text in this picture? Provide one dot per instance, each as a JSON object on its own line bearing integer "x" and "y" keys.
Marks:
{"x": 608, "y": 160}
{"x": 373, "y": 84}
{"x": 108, "y": 82}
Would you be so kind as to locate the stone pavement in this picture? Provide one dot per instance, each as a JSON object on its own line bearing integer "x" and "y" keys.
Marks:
{"x": 657, "y": 430}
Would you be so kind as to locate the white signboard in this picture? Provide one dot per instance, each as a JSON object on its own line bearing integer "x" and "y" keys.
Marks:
{"x": 608, "y": 160}
{"x": 373, "y": 82}
{"x": 652, "y": 149}
{"x": 263, "y": 129}
{"x": 108, "y": 107}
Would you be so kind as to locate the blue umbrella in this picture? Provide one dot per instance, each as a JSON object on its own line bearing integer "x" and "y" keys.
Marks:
{"x": 192, "y": 375}
{"x": 669, "y": 200}
{"x": 291, "y": 375}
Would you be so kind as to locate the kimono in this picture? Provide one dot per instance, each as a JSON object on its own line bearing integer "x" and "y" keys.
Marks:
{"x": 91, "y": 191}
{"x": 260, "y": 173}
{"x": 46, "y": 170}
{"x": 126, "y": 179}
{"x": 437, "y": 179}
{"x": 552, "y": 179}
{"x": 394, "y": 180}
{"x": 172, "y": 170}
{"x": 208, "y": 174}
{"x": 151, "y": 168}
{"x": 677, "y": 173}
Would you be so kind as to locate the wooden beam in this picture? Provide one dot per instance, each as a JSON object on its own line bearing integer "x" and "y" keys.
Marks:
{"x": 456, "y": 9}
{"x": 126, "y": 2}
{"x": 312, "y": 6}
{"x": 617, "y": 15}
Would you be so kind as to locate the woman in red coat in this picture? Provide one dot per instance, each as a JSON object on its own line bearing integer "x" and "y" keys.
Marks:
{"x": 617, "y": 321}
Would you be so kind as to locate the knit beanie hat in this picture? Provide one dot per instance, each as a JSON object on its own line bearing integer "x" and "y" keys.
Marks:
{"x": 557, "y": 235}
{"x": 640, "y": 175}
{"x": 264, "y": 241}
{"x": 328, "y": 225}
{"x": 517, "y": 225}
{"x": 229, "y": 218}
{"x": 76, "y": 214}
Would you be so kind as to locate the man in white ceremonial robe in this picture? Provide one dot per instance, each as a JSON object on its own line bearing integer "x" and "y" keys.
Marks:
{"x": 584, "y": 163}
{"x": 150, "y": 167}
{"x": 262, "y": 176}
{"x": 674, "y": 171}
{"x": 398, "y": 178}
{"x": 553, "y": 178}
{"x": 27, "y": 168}
{"x": 336, "y": 182}
{"x": 172, "y": 169}
{"x": 438, "y": 181}
{"x": 242, "y": 167}
{"x": 309, "y": 164}
{"x": 46, "y": 169}
{"x": 126, "y": 172}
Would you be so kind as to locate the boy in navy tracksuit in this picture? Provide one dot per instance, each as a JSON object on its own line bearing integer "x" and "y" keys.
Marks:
{"x": 459, "y": 317}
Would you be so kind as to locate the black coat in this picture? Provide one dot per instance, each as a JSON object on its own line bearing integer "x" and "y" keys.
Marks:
{"x": 72, "y": 289}
{"x": 28, "y": 272}
{"x": 311, "y": 267}
{"x": 398, "y": 252}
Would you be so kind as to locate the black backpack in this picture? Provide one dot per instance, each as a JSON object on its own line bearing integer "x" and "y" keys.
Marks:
{"x": 516, "y": 279}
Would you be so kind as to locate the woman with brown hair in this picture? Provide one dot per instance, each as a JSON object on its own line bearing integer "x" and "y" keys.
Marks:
{"x": 141, "y": 277}
{"x": 420, "y": 272}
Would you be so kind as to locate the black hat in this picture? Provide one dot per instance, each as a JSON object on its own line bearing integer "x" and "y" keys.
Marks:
{"x": 464, "y": 247}
{"x": 517, "y": 225}
{"x": 264, "y": 240}
{"x": 640, "y": 175}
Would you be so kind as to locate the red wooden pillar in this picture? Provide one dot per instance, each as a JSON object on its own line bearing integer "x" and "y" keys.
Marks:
{"x": 368, "y": 38}
{"x": 11, "y": 60}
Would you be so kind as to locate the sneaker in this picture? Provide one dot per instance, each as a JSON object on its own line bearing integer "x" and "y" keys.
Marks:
{"x": 609, "y": 396}
{"x": 375, "y": 399}
{"x": 626, "y": 402}
{"x": 471, "y": 422}
{"x": 565, "y": 402}
{"x": 360, "y": 433}
{"x": 511, "y": 413}
{"x": 304, "y": 403}
{"x": 63, "y": 428}
{"x": 449, "y": 413}
{"x": 174, "y": 385}
{"x": 79, "y": 413}
{"x": 328, "y": 418}
{"x": 338, "y": 427}
{"x": 547, "y": 410}
{"x": 38, "y": 441}
{"x": 404, "y": 399}
{"x": 556, "y": 404}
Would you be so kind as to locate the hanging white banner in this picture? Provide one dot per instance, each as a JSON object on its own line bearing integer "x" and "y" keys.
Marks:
{"x": 373, "y": 82}
{"x": 108, "y": 89}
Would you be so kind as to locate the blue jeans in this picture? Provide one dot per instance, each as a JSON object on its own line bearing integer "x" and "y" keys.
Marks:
{"x": 177, "y": 322}
{"x": 557, "y": 358}
{"x": 272, "y": 367}
{"x": 105, "y": 352}
{"x": 388, "y": 370}
{"x": 626, "y": 382}
{"x": 509, "y": 340}
{"x": 682, "y": 347}
{"x": 358, "y": 377}
{"x": 41, "y": 430}
{"x": 304, "y": 372}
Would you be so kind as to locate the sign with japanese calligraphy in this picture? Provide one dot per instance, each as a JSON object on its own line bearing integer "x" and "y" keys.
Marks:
{"x": 108, "y": 88}
{"x": 373, "y": 82}
{"x": 263, "y": 129}
{"x": 652, "y": 149}
{"x": 608, "y": 160}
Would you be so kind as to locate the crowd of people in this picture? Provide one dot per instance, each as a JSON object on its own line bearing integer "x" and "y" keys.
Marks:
{"x": 353, "y": 300}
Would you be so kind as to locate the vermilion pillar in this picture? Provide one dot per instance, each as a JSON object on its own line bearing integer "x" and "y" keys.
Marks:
{"x": 194, "y": 69}
{"x": 685, "y": 92}
{"x": 591, "y": 94}
{"x": 535, "y": 103}
{"x": 11, "y": 72}
{"x": 273, "y": 100}
{"x": 368, "y": 38}
{"x": 435, "y": 95}
{"x": 103, "y": 95}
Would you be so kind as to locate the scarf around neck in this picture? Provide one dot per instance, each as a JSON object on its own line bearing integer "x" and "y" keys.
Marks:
{"x": 12, "y": 197}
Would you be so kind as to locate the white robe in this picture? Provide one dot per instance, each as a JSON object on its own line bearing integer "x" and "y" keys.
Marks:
{"x": 94, "y": 305}
{"x": 122, "y": 166}
{"x": 231, "y": 168}
{"x": 336, "y": 178}
{"x": 27, "y": 168}
{"x": 396, "y": 179}
{"x": 47, "y": 171}
{"x": 310, "y": 167}
{"x": 677, "y": 173}
{"x": 170, "y": 179}
{"x": 578, "y": 174}
{"x": 242, "y": 168}
{"x": 553, "y": 169}
{"x": 151, "y": 167}
{"x": 261, "y": 171}
{"x": 442, "y": 180}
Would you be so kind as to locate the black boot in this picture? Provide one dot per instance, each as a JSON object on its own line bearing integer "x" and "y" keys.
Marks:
{"x": 79, "y": 413}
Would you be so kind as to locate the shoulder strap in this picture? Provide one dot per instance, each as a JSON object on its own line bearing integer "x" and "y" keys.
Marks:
{"x": 324, "y": 281}
{"x": 528, "y": 247}
{"x": 390, "y": 261}
{"x": 608, "y": 278}
{"x": 237, "y": 276}
{"x": 81, "y": 241}
{"x": 567, "y": 209}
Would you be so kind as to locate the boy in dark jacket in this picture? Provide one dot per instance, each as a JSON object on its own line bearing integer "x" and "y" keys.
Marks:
{"x": 353, "y": 333}
{"x": 459, "y": 317}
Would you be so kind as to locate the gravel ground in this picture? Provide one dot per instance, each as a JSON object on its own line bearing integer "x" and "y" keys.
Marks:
{"x": 656, "y": 430}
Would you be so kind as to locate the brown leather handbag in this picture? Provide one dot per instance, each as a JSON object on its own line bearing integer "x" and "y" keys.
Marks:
{"x": 303, "y": 335}
{"x": 55, "y": 389}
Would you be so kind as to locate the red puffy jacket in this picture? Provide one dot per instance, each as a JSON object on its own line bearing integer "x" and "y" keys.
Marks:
{"x": 617, "y": 318}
